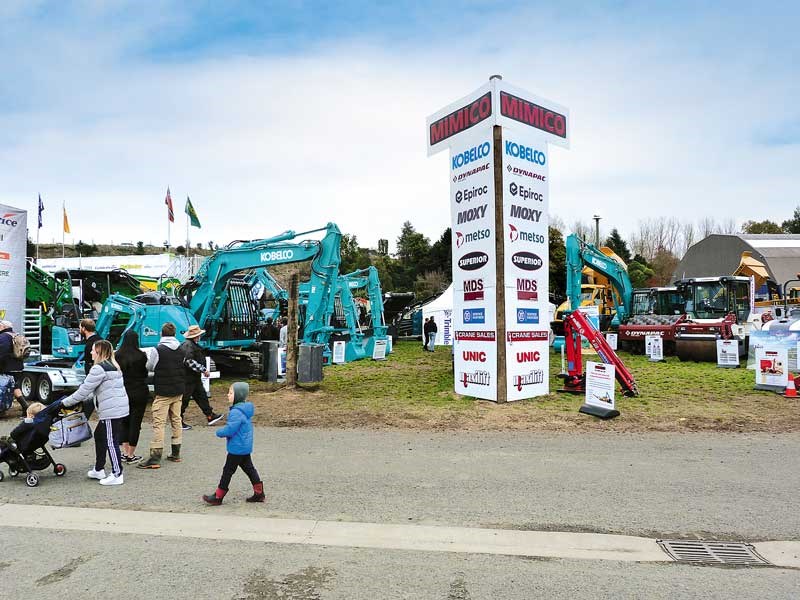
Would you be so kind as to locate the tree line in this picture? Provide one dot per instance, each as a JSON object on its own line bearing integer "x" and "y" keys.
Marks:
{"x": 651, "y": 252}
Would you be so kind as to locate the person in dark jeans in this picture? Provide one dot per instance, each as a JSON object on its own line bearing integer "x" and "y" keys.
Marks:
{"x": 89, "y": 333}
{"x": 195, "y": 364}
{"x": 10, "y": 364}
{"x": 269, "y": 333}
{"x": 239, "y": 433}
{"x": 133, "y": 363}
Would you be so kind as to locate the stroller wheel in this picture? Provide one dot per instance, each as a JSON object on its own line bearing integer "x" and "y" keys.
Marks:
{"x": 60, "y": 470}
{"x": 2, "y": 476}
{"x": 13, "y": 472}
{"x": 32, "y": 480}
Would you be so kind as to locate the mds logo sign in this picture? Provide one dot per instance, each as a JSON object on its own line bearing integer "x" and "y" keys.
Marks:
{"x": 474, "y": 315}
{"x": 527, "y": 315}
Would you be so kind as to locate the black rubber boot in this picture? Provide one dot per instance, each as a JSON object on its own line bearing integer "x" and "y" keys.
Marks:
{"x": 176, "y": 453}
{"x": 154, "y": 462}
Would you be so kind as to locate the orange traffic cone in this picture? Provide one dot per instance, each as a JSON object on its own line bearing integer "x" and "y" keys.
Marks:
{"x": 791, "y": 390}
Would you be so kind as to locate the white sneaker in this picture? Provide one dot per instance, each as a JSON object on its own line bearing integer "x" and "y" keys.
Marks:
{"x": 112, "y": 480}
{"x": 101, "y": 474}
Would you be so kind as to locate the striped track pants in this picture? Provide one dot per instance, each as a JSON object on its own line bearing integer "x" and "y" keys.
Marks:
{"x": 107, "y": 435}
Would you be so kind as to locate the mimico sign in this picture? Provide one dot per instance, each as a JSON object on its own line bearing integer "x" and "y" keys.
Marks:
{"x": 498, "y": 138}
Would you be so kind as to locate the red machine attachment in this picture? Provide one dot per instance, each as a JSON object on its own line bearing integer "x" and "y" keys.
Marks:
{"x": 576, "y": 325}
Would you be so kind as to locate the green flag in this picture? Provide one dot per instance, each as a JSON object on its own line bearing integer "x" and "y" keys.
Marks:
{"x": 192, "y": 214}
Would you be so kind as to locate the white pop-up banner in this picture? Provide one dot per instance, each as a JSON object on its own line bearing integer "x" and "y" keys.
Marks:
{"x": 13, "y": 248}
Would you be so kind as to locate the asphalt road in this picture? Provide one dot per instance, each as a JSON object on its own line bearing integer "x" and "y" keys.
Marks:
{"x": 740, "y": 487}
{"x": 717, "y": 486}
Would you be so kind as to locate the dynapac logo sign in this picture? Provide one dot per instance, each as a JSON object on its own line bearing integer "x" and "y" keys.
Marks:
{"x": 461, "y": 119}
{"x": 532, "y": 114}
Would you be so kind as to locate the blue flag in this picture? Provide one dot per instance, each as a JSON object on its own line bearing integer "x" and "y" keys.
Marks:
{"x": 41, "y": 210}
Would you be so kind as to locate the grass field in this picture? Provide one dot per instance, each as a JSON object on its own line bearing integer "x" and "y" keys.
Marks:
{"x": 414, "y": 389}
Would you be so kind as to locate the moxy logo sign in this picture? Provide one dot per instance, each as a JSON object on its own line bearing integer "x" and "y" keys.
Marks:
{"x": 526, "y": 357}
{"x": 473, "y": 289}
{"x": 474, "y": 356}
{"x": 527, "y": 289}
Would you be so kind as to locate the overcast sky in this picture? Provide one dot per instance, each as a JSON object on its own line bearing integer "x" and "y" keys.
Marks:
{"x": 275, "y": 116}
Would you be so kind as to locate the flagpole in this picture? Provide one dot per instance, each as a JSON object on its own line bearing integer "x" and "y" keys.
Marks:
{"x": 63, "y": 216}
{"x": 39, "y": 228}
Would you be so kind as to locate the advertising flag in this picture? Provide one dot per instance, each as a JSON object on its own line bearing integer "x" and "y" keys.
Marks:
{"x": 170, "y": 212}
{"x": 41, "y": 210}
{"x": 192, "y": 214}
{"x": 66, "y": 222}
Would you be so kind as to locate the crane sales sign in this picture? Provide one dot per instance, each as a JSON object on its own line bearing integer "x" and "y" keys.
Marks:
{"x": 13, "y": 247}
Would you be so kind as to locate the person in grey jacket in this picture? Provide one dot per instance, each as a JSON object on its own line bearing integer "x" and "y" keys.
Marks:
{"x": 105, "y": 383}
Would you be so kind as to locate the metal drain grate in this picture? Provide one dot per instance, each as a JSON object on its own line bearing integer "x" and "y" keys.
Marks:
{"x": 713, "y": 553}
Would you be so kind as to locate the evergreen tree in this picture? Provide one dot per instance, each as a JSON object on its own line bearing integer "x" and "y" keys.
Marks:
{"x": 558, "y": 266}
{"x": 765, "y": 226}
{"x": 792, "y": 225}
{"x": 618, "y": 245}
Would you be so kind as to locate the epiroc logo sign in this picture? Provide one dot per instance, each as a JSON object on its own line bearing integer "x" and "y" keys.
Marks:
{"x": 467, "y": 195}
{"x": 524, "y": 192}
{"x": 474, "y": 315}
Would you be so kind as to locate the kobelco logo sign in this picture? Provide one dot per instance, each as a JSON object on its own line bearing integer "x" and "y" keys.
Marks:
{"x": 525, "y": 193}
{"x": 473, "y": 236}
{"x": 277, "y": 255}
{"x": 598, "y": 263}
{"x": 525, "y": 236}
{"x": 532, "y": 155}
{"x": 467, "y": 195}
{"x": 471, "y": 155}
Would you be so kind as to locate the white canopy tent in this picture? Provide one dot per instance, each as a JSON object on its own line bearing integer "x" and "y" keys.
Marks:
{"x": 441, "y": 309}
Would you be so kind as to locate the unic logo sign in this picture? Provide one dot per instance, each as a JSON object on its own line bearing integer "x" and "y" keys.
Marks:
{"x": 473, "y": 289}
{"x": 473, "y": 261}
{"x": 525, "y": 193}
{"x": 527, "y": 261}
{"x": 515, "y": 234}
{"x": 475, "y": 378}
{"x": 532, "y": 378}
{"x": 467, "y": 195}
{"x": 527, "y": 289}
{"x": 466, "y": 238}
{"x": 469, "y": 156}
{"x": 465, "y": 216}
{"x": 524, "y": 357}
{"x": 474, "y": 355}
{"x": 277, "y": 255}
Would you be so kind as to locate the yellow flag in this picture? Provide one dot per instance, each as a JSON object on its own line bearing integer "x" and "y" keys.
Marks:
{"x": 66, "y": 222}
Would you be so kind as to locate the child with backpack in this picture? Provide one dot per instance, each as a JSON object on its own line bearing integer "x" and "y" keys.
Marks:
{"x": 239, "y": 433}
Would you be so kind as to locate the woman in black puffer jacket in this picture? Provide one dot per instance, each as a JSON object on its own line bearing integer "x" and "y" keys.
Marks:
{"x": 133, "y": 363}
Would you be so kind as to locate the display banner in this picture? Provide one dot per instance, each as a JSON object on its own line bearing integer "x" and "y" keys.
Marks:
{"x": 780, "y": 339}
{"x": 510, "y": 222}
{"x": 654, "y": 347}
{"x": 474, "y": 264}
{"x": 13, "y": 248}
{"x": 728, "y": 353}
{"x": 338, "y": 352}
{"x": 379, "y": 350}
{"x": 600, "y": 388}
{"x": 771, "y": 369}
{"x": 611, "y": 338}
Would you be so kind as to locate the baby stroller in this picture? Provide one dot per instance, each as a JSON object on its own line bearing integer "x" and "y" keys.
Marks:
{"x": 24, "y": 450}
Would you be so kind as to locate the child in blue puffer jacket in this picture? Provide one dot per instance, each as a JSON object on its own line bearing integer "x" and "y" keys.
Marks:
{"x": 239, "y": 432}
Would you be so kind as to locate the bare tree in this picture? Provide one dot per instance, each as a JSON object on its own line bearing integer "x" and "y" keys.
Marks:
{"x": 728, "y": 226}
{"x": 706, "y": 227}
{"x": 687, "y": 238}
{"x": 582, "y": 230}
{"x": 558, "y": 223}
